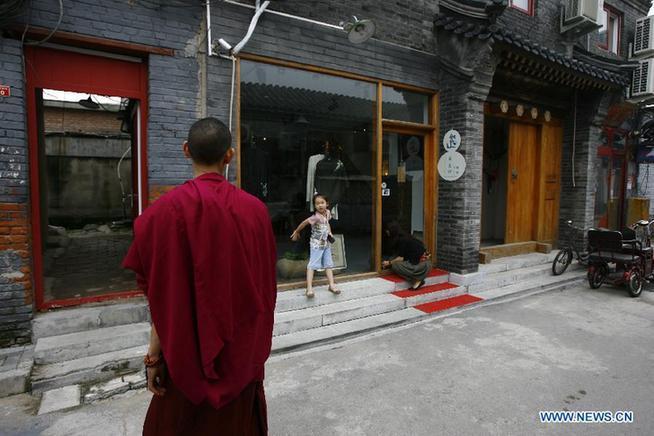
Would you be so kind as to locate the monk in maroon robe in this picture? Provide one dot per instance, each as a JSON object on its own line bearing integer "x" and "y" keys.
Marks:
{"x": 204, "y": 254}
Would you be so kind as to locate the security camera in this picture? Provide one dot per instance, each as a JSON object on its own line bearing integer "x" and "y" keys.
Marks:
{"x": 224, "y": 44}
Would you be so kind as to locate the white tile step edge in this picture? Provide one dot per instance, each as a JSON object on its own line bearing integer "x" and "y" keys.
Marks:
{"x": 296, "y": 299}
{"x": 338, "y": 331}
{"x": 88, "y": 369}
{"x": 80, "y": 319}
{"x": 72, "y": 346}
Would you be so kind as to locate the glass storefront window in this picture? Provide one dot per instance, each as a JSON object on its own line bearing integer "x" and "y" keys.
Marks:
{"x": 301, "y": 133}
{"x": 402, "y": 105}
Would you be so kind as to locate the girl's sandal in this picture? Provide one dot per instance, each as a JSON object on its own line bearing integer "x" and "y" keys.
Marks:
{"x": 333, "y": 291}
{"x": 309, "y": 294}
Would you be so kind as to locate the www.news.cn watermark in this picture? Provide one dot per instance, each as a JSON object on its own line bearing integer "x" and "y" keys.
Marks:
{"x": 586, "y": 416}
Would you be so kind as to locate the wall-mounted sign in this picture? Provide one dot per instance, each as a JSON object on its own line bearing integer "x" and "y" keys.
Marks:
{"x": 452, "y": 140}
{"x": 5, "y": 91}
{"x": 386, "y": 192}
{"x": 451, "y": 165}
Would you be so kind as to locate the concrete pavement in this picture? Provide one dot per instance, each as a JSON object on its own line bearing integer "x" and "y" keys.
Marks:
{"x": 488, "y": 370}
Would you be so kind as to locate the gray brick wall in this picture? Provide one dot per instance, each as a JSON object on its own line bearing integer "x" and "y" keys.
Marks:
{"x": 544, "y": 25}
{"x": 408, "y": 23}
{"x": 15, "y": 288}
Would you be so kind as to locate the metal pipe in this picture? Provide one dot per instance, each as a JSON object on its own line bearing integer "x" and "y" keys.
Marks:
{"x": 209, "y": 40}
{"x": 253, "y": 24}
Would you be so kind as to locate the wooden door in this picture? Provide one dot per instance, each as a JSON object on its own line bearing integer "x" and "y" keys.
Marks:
{"x": 549, "y": 182}
{"x": 521, "y": 183}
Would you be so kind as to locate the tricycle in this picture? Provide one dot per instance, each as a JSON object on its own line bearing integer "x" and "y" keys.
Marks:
{"x": 621, "y": 257}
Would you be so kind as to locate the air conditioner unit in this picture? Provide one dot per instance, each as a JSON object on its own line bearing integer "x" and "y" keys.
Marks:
{"x": 580, "y": 17}
{"x": 644, "y": 39}
{"x": 643, "y": 79}
{"x": 581, "y": 10}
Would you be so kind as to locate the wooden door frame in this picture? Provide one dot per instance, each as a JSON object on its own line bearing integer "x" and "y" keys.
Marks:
{"x": 431, "y": 132}
{"x": 58, "y": 62}
{"x": 430, "y": 188}
{"x": 492, "y": 111}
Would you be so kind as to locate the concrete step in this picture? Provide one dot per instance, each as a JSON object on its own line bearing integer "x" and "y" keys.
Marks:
{"x": 353, "y": 290}
{"x": 508, "y": 278}
{"x": 430, "y": 293}
{"x": 82, "y": 319}
{"x": 515, "y": 262}
{"x": 340, "y": 330}
{"x": 318, "y": 316}
{"x": 570, "y": 278}
{"x": 88, "y": 370}
{"x": 73, "y": 346}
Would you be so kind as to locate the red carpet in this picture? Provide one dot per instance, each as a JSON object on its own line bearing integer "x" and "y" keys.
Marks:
{"x": 435, "y": 272}
{"x": 437, "y": 306}
{"x": 424, "y": 290}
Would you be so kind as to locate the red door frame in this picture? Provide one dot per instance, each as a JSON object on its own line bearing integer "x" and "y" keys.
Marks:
{"x": 71, "y": 71}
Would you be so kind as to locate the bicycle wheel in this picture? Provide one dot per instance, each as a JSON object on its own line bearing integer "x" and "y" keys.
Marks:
{"x": 635, "y": 283}
{"x": 561, "y": 262}
{"x": 596, "y": 275}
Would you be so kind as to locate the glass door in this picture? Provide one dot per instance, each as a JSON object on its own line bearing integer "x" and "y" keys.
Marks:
{"x": 403, "y": 185}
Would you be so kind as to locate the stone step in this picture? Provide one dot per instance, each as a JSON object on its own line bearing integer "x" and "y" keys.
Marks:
{"x": 81, "y": 319}
{"x": 430, "y": 293}
{"x": 73, "y": 346}
{"x": 318, "y": 316}
{"x": 568, "y": 279}
{"x": 353, "y": 290}
{"x": 515, "y": 262}
{"x": 88, "y": 370}
{"x": 508, "y": 278}
{"x": 340, "y": 330}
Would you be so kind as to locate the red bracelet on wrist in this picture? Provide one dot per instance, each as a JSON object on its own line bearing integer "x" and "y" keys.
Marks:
{"x": 151, "y": 362}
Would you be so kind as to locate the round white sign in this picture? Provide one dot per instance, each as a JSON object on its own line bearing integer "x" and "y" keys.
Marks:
{"x": 451, "y": 166}
{"x": 452, "y": 140}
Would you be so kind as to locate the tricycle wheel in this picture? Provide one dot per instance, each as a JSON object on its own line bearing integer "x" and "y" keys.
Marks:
{"x": 635, "y": 283}
{"x": 561, "y": 262}
{"x": 596, "y": 275}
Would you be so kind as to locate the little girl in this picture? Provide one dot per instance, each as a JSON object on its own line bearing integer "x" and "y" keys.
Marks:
{"x": 319, "y": 244}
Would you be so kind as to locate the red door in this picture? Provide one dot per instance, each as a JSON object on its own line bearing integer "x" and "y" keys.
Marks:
{"x": 71, "y": 156}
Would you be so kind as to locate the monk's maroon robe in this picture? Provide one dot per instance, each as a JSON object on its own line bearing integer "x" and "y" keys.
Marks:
{"x": 205, "y": 256}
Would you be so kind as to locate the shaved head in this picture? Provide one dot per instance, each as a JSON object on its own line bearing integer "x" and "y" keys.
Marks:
{"x": 208, "y": 140}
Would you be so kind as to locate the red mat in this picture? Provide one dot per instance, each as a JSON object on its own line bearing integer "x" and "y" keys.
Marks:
{"x": 437, "y": 306}
{"x": 435, "y": 272}
{"x": 424, "y": 290}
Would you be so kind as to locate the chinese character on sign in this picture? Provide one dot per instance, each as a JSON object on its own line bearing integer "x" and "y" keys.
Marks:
{"x": 5, "y": 91}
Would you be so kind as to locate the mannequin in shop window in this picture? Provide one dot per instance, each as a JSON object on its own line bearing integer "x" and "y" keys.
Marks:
{"x": 329, "y": 177}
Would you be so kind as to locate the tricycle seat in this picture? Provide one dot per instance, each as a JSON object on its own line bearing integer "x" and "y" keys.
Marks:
{"x": 613, "y": 246}
{"x": 612, "y": 256}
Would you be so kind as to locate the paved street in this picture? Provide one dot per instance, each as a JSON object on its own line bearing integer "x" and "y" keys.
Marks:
{"x": 488, "y": 370}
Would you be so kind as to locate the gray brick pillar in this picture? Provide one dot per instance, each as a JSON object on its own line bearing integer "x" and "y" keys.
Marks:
{"x": 467, "y": 67}
{"x": 578, "y": 199}
{"x": 459, "y": 202}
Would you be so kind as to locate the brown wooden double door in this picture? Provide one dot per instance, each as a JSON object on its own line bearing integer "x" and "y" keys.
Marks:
{"x": 533, "y": 182}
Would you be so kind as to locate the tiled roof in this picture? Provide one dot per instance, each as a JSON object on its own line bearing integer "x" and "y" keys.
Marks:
{"x": 469, "y": 29}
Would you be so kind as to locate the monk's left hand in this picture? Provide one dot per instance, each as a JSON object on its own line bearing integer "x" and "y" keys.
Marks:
{"x": 157, "y": 379}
